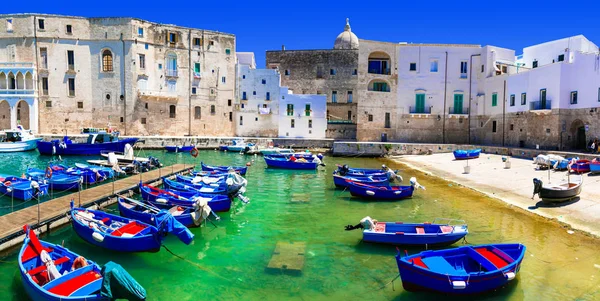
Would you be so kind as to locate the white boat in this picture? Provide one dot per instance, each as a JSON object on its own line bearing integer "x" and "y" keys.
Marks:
{"x": 126, "y": 156}
{"x": 276, "y": 150}
{"x": 18, "y": 140}
{"x": 240, "y": 145}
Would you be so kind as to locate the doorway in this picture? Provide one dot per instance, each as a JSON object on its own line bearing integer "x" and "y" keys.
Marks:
{"x": 580, "y": 142}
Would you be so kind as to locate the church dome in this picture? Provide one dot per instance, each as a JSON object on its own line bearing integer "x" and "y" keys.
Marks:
{"x": 347, "y": 39}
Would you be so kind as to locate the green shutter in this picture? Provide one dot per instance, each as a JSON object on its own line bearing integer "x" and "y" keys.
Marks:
{"x": 307, "y": 110}
{"x": 494, "y": 100}
{"x": 458, "y": 103}
{"x": 420, "y": 103}
{"x": 197, "y": 67}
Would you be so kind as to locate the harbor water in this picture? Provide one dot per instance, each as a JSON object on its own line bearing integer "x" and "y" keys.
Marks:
{"x": 228, "y": 261}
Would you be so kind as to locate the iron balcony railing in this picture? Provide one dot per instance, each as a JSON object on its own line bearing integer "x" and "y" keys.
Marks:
{"x": 540, "y": 105}
{"x": 172, "y": 72}
{"x": 385, "y": 71}
{"x": 458, "y": 111}
{"x": 16, "y": 92}
{"x": 16, "y": 65}
{"x": 420, "y": 110}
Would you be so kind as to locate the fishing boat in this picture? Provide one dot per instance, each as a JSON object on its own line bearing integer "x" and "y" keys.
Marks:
{"x": 595, "y": 166}
{"x": 96, "y": 143}
{"x": 291, "y": 164}
{"x": 560, "y": 192}
{"x": 122, "y": 234}
{"x": 56, "y": 181}
{"x": 464, "y": 270}
{"x": 22, "y": 189}
{"x": 166, "y": 198}
{"x": 179, "y": 148}
{"x": 240, "y": 146}
{"x": 18, "y": 140}
{"x": 305, "y": 155}
{"x": 440, "y": 232}
{"x": 53, "y": 272}
{"x": 386, "y": 192}
{"x": 239, "y": 169}
{"x": 146, "y": 212}
{"x": 460, "y": 154}
{"x": 206, "y": 185}
{"x": 342, "y": 181}
{"x": 581, "y": 166}
{"x": 276, "y": 150}
{"x": 89, "y": 176}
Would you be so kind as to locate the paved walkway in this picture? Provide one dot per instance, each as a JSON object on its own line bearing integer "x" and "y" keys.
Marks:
{"x": 515, "y": 185}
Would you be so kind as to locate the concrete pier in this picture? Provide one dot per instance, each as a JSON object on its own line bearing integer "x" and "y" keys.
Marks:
{"x": 515, "y": 186}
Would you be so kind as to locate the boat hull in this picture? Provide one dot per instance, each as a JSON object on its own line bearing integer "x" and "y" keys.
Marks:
{"x": 218, "y": 203}
{"x": 594, "y": 167}
{"x": 285, "y": 164}
{"x": 273, "y": 151}
{"x": 466, "y": 154}
{"x": 7, "y": 147}
{"x": 148, "y": 218}
{"x": 581, "y": 166}
{"x": 179, "y": 149}
{"x": 380, "y": 192}
{"x": 342, "y": 181}
{"x": 553, "y": 196}
{"x": 239, "y": 169}
{"x": 417, "y": 275}
{"x": 21, "y": 189}
{"x": 406, "y": 234}
{"x": 83, "y": 149}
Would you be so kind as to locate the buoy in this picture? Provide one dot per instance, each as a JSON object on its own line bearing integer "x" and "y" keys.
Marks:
{"x": 369, "y": 192}
{"x": 162, "y": 201}
{"x": 98, "y": 237}
{"x": 248, "y": 164}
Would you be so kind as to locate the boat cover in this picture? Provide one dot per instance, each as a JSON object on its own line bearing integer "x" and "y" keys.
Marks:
{"x": 165, "y": 221}
{"x": 118, "y": 284}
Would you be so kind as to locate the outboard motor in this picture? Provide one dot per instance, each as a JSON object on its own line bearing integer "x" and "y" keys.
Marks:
{"x": 415, "y": 184}
{"x": 365, "y": 223}
{"x": 343, "y": 170}
{"x": 537, "y": 186}
{"x": 236, "y": 186}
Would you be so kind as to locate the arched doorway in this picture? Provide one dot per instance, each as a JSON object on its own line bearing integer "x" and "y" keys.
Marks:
{"x": 578, "y": 133}
{"x": 23, "y": 114}
{"x": 4, "y": 115}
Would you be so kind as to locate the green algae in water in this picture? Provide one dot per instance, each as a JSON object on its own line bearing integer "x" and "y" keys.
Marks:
{"x": 303, "y": 206}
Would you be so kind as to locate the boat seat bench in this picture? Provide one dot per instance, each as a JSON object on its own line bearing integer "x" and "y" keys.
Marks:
{"x": 440, "y": 265}
{"x": 70, "y": 286}
{"x": 42, "y": 268}
{"x": 490, "y": 260}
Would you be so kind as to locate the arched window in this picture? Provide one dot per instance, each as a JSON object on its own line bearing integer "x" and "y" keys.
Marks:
{"x": 172, "y": 111}
{"x": 379, "y": 86}
{"x": 171, "y": 64}
{"x": 213, "y": 109}
{"x": 107, "y": 61}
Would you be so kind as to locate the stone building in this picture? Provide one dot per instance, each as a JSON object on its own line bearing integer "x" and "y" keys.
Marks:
{"x": 142, "y": 77}
{"x": 302, "y": 115}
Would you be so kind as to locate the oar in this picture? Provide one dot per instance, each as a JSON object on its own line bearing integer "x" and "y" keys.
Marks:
{"x": 149, "y": 207}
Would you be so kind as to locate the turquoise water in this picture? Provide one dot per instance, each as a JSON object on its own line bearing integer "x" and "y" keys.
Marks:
{"x": 229, "y": 261}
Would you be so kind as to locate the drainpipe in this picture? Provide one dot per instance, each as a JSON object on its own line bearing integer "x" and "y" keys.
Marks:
{"x": 503, "y": 112}
{"x": 123, "y": 85}
{"x": 37, "y": 71}
{"x": 190, "y": 79}
{"x": 445, "y": 91}
{"x": 470, "y": 89}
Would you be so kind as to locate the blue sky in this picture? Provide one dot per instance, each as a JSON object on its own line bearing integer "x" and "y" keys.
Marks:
{"x": 266, "y": 25}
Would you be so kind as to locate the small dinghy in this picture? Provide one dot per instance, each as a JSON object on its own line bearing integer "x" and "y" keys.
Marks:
{"x": 22, "y": 189}
{"x": 146, "y": 212}
{"x": 466, "y": 154}
{"x": 342, "y": 181}
{"x": 305, "y": 155}
{"x": 276, "y": 150}
{"x": 122, "y": 234}
{"x": 239, "y": 169}
{"x": 56, "y": 181}
{"x": 52, "y": 272}
{"x": 345, "y": 170}
{"x": 463, "y": 270}
{"x": 595, "y": 166}
{"x": 179, "y": 148}
{"x": 440, "y": 232}
{"x": 97, "y": 142}
{"x": 295, "y": 163}
{"x": 89, "y": 176}
{"x": 167, "y": 198}
{"x": 560, "y": 192}
{"x": 580, "y": 166}
{"x": 386, "y": 192}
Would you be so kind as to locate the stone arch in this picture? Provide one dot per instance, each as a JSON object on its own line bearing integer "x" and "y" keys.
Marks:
{"x": 577, "y": 131}
{"x": 379, "y": 85}
{"x": 20, "y": 81}
{"x": 28, "y": 81}
{"x": 12, "y": 82}
{"x": 4, "y": 115}
{"x": 3, "y": 84}
{"x": 22, "y": 108}
{"x": 379, "y": 63}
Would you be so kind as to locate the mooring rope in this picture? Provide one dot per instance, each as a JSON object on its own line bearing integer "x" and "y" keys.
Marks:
{"x": 194, "y": 263}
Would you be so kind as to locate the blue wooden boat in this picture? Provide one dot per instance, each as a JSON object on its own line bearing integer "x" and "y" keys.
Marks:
{"x": 239, "y": 169}
{"x": 288, "y": 164}
{"x": 297, "y": 155}
{"x": 380, "y": 192}
{"x": 581, "y": 166}
{"x": 384, "y": 171}
{"x": 216, "y": 187}
{"x": 440, "y": 232}
{"x": 122, "y": 234}
{"x": 88, "y": 176}
{"x": 464, "y": 270}
{"x": 212, "y": 174}
{"x": 146, "y": 212}
{"x": 52, "y": 272}
{"x": 22, "y": 189}
{"x": 341, "y": 181}
{"x": 179, "y": 148}
{"x": 56, "y": 181}
{"x": 466, "y": 154}
{"x": 97, "y": 142}
{"x": 167, "y": 198}
{"x": 595, "y": 166}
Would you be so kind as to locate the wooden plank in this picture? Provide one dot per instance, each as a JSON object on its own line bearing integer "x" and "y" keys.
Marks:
{"x": 288, "y": 257}
{"x": 13, "y": 222}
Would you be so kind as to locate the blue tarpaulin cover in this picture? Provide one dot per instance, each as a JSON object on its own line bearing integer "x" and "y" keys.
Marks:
{"x": 165, "y": 221}
{"x": 118, "y": 284}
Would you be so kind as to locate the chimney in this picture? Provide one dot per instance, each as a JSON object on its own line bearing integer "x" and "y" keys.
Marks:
{"x": 282, "y": 47}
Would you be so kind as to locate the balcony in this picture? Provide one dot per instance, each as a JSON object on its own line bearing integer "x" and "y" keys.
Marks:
{"x": 540, "y": 105}
{"x": 384, "y": 71}
{"x": 16, "y": 65}
{"x": 17, "y": 92}
{"x": 171, "y": 72}
{"x": 458, "y": 111}
{"x": 420, "y": 110}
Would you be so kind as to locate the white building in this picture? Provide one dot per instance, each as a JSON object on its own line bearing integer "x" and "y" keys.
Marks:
{"x": 257, "y": 107}
{"x": 302, "y": 115}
